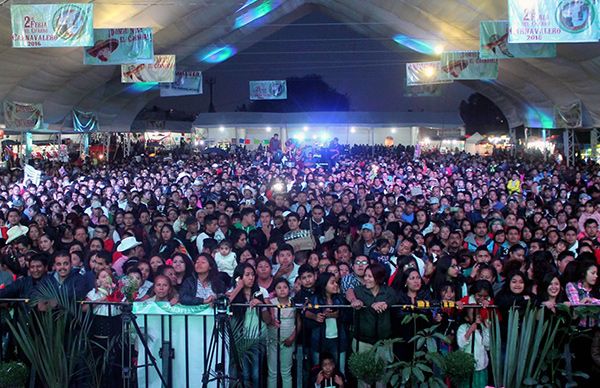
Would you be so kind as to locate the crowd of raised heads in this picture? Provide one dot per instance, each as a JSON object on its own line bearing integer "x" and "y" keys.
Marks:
{"x": 361, "y": 226}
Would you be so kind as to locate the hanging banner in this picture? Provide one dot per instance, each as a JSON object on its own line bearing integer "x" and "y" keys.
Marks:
{"x": 568, "y": 116}
{"x": 268, "y": 90}
{"x": 162, "y": 70}
{"x": 52, "y": 25}
{"x": 116, "y": 46}
{"x": 423, "y": 91}
{"x": 186, "y": 83}
{"x": 425, "y": 73}
{"x": 553, "y": 21}
{"x": 23, "y": 116}
{"x": 84, "y": 121}
{"x": 32, "y": 175}
{"x": 468, "y": 65}
{"x": 493, "y": 43}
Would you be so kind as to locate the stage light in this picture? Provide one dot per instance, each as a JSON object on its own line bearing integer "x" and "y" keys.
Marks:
{"x": 222, "y": 128}
{"x": 201, "y": 142}
{"x": 429, "y": 72}
{"x": 324, "y": 136}
{"x": 393, "y": 130}
{"x": 268, "y": 129}
{"x": 314, "y": 137}
{"x": 305, "y": 128}
{"x": 439, "y": 49}
{"x": 353, "y": 130}
{"x": 299, "y": 136}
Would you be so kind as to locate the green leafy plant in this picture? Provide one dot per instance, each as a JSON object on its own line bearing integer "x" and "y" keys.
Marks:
{"x": 529, "y": 344}
{"x": 459, "y": 366}
{"x": 55, "y": 341}
{"x": 418, "y": 372}
{"x": 13, "y": 375}
{"x": 367, "y": 366}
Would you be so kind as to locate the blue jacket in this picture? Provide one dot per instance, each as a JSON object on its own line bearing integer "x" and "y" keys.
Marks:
{"x": 74, "y": 285}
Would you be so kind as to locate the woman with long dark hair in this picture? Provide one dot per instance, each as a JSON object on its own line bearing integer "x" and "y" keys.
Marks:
{"x": 329, "y": 333}
{"x": 448, "y": 270}
{"x": 204, "y": 285}
{"x": 247, "y": 317}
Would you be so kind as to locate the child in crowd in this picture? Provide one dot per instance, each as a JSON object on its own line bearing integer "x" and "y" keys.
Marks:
{"x": 225, "y": 258}
{"x": 281, "y": 335}
{"x": 328, "y": 375}
{"x": 473, "y": 336}
{"x": 382, "y": 254}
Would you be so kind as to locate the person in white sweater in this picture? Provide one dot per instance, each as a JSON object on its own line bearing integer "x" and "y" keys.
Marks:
{"x": 225, "y": 258}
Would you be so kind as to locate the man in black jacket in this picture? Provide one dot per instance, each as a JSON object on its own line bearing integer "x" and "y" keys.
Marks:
{"x": 23, "y": 287}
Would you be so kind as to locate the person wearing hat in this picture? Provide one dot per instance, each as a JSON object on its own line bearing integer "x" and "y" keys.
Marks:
{"x": 127, "y": 248}
{"x": 103, "y": 49}
{"x": 189, "y": 235}
{"x": 366, "y": 243}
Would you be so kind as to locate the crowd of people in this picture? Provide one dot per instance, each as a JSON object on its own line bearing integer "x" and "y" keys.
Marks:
{"x": 369, "y": 228}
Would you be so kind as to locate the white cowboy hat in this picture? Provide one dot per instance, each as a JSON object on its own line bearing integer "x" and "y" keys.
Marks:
{"x": 127, "y": 243}
{"x": 15, "y": 232}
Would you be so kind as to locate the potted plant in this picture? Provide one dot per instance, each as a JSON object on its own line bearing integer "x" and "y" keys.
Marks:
{"x": 459, "y": 366}
{"x": 367, "y": 366}
{"x": 13, "y": 375}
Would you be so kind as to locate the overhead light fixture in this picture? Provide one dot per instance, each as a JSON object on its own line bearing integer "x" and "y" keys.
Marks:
{"x": 439, "y": 49}
{"x": 393, "y": 130}
{"x": 352, "y": 129}
{"x": 222, "y": 128}
{"x": 268, "y": 129}
{"x": 305, "y": 128}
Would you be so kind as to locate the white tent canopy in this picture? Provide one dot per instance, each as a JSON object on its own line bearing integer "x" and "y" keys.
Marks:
{"x": 525, "y": 91}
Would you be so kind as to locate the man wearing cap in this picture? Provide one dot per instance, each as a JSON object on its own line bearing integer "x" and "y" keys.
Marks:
{"x": 366, "y": 243}
{"x": 127, "y": 248}
{"x": 189, "y": 235}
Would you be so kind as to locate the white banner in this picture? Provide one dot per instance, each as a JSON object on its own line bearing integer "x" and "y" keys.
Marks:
{"x": 32, "y": 175}
{"x": 186, "y": 83}
{"x": 162, "y": 70}
{"x": 268, "y": 90}
{"x": 553, "y": 21}
{"x": 568, "y": 116}
{"x": 425, "y": 73}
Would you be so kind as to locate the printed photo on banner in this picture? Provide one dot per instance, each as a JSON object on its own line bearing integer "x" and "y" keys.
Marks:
{"x": 84, "y": 121}
{"x": 568, "y": 116}
{"x": 425, "y": 73}
{"x": 433, "y": 90}
{"x": 52, "y": 25}
{"x": 493, "y": 37}
{"x": 118, "y": 46}
{"x": 553, "y": 21}
{"x": 468, "y": 65}
{"x": 23, "y": 116}
{"x": 162, "y": 70}
{"x": 268, "y": 90}
{"x": 186, "y": 83}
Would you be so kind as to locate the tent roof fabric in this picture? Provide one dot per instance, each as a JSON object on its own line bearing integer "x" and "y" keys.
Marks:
{"x": 526, "y": 90}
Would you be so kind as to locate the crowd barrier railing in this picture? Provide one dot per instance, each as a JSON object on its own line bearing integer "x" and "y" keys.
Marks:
{"x": 168, "y": 346}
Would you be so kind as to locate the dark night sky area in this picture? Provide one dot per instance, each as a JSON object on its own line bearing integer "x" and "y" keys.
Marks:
{"x": 370, "y": 72}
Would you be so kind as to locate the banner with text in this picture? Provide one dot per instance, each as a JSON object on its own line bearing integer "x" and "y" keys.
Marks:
{"x": 186, "y": 83}
{"x": 468, "y": 65}
{"x": 553, "y": 21}
{"x": 568, "y": 116}
{"x": 162, "y": 70}
{"x": 425, "y": 73}
{"x": 117, "y": 46}
{"x": 32, "y": 175}
{"x": 423, "y": 90}
{"x": 23, "y": 116}
{"x": 84, "y": 121}
{"x": 493, "y": 37}
{"x": 268, "y": 90}
{"x": 52, "y": 25}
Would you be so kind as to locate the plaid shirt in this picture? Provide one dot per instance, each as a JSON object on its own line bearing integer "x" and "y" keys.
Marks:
{"x": 576, "y": 292}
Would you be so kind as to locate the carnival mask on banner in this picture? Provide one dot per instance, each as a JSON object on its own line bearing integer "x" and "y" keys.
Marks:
{"x": 116, "y": 46}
